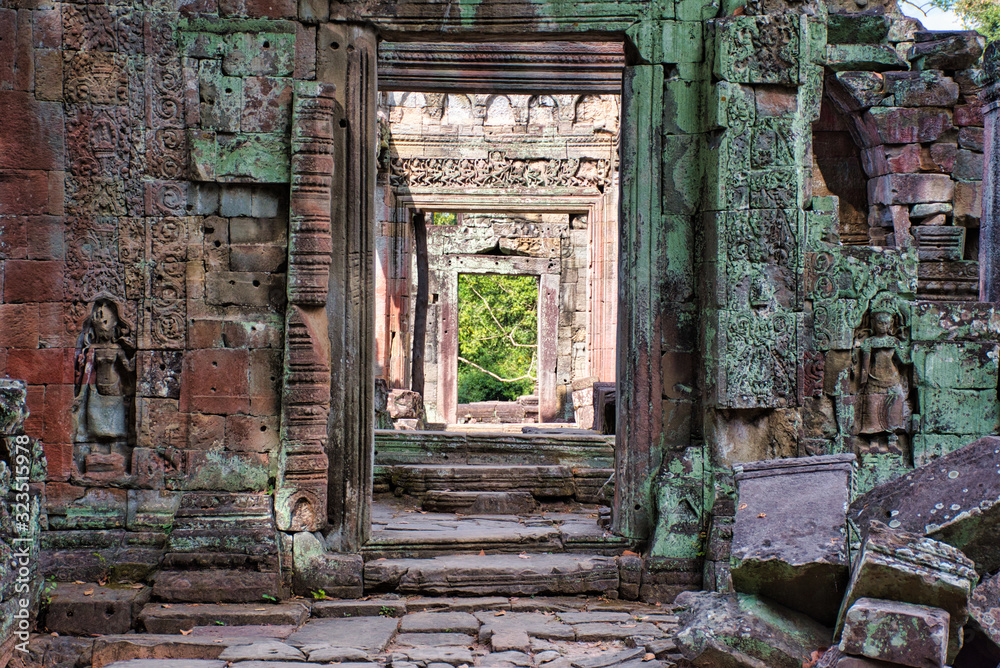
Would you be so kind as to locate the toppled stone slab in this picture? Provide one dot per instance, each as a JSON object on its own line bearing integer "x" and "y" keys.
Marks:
{"x": 439, "y": 622}
{"x": 745, "y": 631}
{"x": 910, "y": 568}
{"x": 911, "y": 635}
{"x": 954, "y": 499}
{"x": 83, "y": 609}
{"x": 535, "y": 624}
{"x": 174, "y": 618}
{"x": 790, "y": 533}
{"x": 382, "y": 607}
{"x": 559, "y": 574}
{"x": 264, "y": 650}
{"x": 371, "y": 634}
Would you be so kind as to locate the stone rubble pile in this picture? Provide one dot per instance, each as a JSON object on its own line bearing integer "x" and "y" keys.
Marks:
{"x": 890, "y": 579}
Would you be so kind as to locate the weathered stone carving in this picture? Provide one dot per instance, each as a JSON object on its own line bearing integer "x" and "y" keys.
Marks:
{"x": 883, "y": 383}
{"x": 104, "y": 384}
{"x": 500, "y": 171}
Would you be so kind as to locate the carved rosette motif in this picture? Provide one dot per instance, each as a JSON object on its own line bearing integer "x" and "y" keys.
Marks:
{"x": 300, "y": 497}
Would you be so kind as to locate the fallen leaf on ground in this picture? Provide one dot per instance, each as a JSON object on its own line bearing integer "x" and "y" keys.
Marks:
{"x": 186, "y": 633}
{"x": 88, "y": 592}
{"x": 482, "y": 553}
{"x": 649, "y": 656}
{"x": 523, "y": 556}
{"x": 762, "y": 515}
{"x": 630, "y": 553}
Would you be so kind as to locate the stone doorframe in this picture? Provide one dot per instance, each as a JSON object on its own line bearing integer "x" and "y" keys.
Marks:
{"x": 324, "y": 480}
{"x": 547, "y": 271}
{"x": 429, "y": 200}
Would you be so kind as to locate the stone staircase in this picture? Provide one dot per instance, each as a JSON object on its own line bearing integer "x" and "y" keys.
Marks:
{"x": 389, "y": 632}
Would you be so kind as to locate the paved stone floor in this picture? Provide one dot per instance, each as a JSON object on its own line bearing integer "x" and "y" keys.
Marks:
{"x": 392, "y": 632}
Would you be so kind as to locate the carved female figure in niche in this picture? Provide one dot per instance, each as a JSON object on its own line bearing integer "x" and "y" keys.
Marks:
{"x": 104, "y": 382}
{"x": 883, "y": 387}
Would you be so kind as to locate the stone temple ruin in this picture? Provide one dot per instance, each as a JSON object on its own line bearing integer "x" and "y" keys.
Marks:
{"x": 765, "y": 235}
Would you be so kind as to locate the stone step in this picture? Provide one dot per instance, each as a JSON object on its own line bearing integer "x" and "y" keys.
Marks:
{"x": 541, "y": 481}
{"x": 478, "y": 502}
{"x": 176, "y": 617}
{"x": 86, "y": 608}
{"x": 498, "y": 574}
{"x": 423, "y": 535}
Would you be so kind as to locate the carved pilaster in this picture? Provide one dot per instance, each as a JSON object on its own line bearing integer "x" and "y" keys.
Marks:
{"x": 300, "y": 499}
{"x": 989, "y": 233}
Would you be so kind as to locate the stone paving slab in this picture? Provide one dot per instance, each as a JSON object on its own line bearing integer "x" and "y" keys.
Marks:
{"x": 506, "y": 659}
{"x": 582, "y": 617}
{"x": 365, "y": 633}
{"x": 338, "y": 655}
{"x": 439, "y": 622}
{"x": 432, "y": 639}
{"x": 454, "y": 656}
{"x": 265, "y": 650}
{"x": 168, "y": 663}
{"x": 606, "y": 631}
{"x": 535, "y": 624}
{"x": 608, "y": 658}
{"x": 172, "y": 618}
{"x": 280, "y": 631}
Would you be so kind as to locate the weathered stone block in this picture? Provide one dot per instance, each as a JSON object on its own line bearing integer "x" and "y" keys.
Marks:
{"x": 216, "y": 586}
{"x": 216, "y": 381}
{"x": 907, "y": 567}
{"x": 968, "y": 166}
{"x": 866, "y": 57}
{"x": 984, "y": 608}
{"x": 903, "y": 125}
{"x": 957, "y": 365}
{"x": 956, "y": 411}
{"x": 266, "y": 54}
{"x": 954, "y": 499}
{"x": 84, "y": 609}
{"x": 743, "y": 630}
{"x": 790, "y": 534}
{"x": 903, "y": 633}
{"x": 911, "y": 188}
{"x": 921, "y": 89}
{"x": 945, "y": 50}
{"x": 338, "y": 575}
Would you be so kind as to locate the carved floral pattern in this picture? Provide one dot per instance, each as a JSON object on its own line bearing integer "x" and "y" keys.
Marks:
{"x": 500, "y": 171}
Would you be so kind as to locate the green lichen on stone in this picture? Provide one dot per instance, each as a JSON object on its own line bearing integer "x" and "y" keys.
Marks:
{"x": 684, "y": 499}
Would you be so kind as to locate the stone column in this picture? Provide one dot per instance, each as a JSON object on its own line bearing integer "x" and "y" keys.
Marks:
{"x": 989, "y": 231}
{"x": 346, "y": 58}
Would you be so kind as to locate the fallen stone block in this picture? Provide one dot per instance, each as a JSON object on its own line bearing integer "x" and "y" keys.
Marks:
{"x": 745, "y": 631}
{"x": 790, "y": 534}
{"x": 834, "y": 658}
{"x": 984, "y": 609}
{"x": 911, "y": 635}
{"x": 83, "y": 609}
{"x": 954, "y": 499}
{"x": 910, "y": 568}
